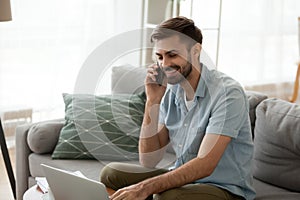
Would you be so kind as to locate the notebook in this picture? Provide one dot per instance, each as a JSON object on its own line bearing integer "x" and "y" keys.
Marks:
{"x": 65, "y": 185}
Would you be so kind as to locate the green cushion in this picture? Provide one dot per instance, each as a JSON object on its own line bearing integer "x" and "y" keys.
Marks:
{"x": 101, "y": 127}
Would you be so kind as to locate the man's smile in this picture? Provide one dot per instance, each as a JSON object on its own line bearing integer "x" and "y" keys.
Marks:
{"x": 171, "y": 71}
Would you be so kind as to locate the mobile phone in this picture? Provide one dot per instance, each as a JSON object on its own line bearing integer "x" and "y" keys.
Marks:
{"x": 160, "y": 76}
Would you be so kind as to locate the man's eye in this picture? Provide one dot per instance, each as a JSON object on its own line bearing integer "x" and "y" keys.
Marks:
{"x": 172, "y": 55}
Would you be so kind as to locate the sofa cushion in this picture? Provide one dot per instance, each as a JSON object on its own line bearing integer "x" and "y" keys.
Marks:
{"x": 101, "y": 127}
{"x": 277, "y": 144}
{"x": 90, "y": 168}
{"x": 265, "y": 191}
{"x": 254, "y": 99}
{"x": 42, "y": 137}
{"x": 127, "y": 79}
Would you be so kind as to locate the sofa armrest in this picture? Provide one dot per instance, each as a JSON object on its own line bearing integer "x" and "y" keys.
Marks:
{"x": 26, "y": 136}
{"x": 22, "y": 165}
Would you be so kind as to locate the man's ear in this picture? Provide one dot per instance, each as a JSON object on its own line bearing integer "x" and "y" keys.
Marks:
{"x": 196, "y": 49}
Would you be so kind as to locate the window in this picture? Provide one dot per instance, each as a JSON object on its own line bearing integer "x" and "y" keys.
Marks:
{"x": 258, "y": 38}
{"x": 44, "y": 47}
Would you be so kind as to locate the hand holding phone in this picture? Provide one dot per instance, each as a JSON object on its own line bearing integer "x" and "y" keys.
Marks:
{"x": 160, "y": 75}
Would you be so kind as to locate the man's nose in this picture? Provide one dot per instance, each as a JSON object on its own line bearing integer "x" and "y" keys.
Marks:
{"x": 165, "y": 62}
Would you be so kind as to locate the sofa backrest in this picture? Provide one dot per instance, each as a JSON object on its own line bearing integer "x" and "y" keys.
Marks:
{"x": 127, "y": 79}
{"x": 277, "y": 143}
{"x": 254, "y": 99}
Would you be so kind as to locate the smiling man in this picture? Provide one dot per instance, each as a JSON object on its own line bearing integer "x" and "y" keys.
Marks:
{"x": 203, "y": 113}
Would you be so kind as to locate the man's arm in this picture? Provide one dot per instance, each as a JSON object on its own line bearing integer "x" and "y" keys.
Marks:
{"x": 210, "y": 152}
{"x": 153, "y": 137}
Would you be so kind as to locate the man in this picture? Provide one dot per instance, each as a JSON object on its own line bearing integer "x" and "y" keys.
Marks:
{"x": 202, "y": 113}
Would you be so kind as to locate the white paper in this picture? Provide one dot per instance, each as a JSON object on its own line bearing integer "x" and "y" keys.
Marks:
{"x": 42, "y": 183}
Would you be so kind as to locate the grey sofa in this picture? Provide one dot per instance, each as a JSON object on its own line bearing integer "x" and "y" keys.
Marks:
{"x": 276, "y": 132}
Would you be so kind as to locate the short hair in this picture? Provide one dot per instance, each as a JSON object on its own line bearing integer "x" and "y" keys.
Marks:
{"x": 181, "y": 26}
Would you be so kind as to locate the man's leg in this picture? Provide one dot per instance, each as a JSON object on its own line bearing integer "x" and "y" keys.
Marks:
{"x": 118, "y": 175}
{"x": 197, "y": 192}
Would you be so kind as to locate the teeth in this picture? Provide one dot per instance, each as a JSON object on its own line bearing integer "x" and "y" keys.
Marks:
{"x": 172, "y": 71}
{"x": 169, "y": 69}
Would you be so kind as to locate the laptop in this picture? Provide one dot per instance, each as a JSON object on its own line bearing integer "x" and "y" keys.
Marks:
{"x": 67, "y": 186}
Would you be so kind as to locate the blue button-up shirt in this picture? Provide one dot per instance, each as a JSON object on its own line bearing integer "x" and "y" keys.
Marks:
{"x": 220, "y": 107}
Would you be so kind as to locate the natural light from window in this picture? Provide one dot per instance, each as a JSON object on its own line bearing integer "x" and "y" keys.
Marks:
{"x": 44, "y": 47}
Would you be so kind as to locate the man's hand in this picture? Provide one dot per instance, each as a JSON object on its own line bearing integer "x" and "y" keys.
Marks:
{"x": 153, "y": 138}
{"x": 154, "y": 91}
{"x": 135, "y": 192}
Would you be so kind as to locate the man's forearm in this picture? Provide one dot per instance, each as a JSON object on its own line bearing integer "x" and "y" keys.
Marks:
{"x": 210, "y": 152}
{"x": 149, "y": 145}
{"x": 188, "y": 173}
{"x": 149, "y": 140}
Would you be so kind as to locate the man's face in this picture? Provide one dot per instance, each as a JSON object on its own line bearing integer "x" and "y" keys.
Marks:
{"x": 174, "y": 58}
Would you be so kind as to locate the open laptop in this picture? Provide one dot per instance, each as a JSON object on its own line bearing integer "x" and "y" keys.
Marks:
{"x": 67, "y": 186}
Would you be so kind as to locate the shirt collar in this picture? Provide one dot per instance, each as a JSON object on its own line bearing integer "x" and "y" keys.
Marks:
{"x": 201, "y": 88}
{"x": 200, "y": 91}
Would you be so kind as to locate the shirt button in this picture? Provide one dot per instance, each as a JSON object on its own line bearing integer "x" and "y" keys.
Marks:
{"x": 185, "y": 124}
{"x": 180, "y": 145}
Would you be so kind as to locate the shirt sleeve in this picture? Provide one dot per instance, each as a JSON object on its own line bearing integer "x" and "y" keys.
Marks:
{"x": 229, "y": 113}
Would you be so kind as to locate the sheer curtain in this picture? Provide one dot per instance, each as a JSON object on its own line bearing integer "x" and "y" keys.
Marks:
{"x": 259, "y": 42}
{"x": 258, "y": 39}
{"x": 43, "y": 48}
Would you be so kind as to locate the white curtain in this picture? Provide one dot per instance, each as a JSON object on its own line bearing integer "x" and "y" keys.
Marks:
{"x": 44, "y": 47}
{"x": 259, "y": 40}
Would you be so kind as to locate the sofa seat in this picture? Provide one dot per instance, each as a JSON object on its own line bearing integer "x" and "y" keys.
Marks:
{"x": 267, "y": 191}
{"x": 89, "y": 168}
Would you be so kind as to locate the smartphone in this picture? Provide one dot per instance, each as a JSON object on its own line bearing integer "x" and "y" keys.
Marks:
{"x": 160, "y": 76}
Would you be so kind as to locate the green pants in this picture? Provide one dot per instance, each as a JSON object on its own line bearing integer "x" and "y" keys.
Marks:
{"x": 119, "y": 175}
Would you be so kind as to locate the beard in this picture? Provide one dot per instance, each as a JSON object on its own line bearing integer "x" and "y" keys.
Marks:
{"x": 182, "y": 72}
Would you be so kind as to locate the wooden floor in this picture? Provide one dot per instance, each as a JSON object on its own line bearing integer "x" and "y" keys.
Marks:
{"x": 5, "y": 189}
